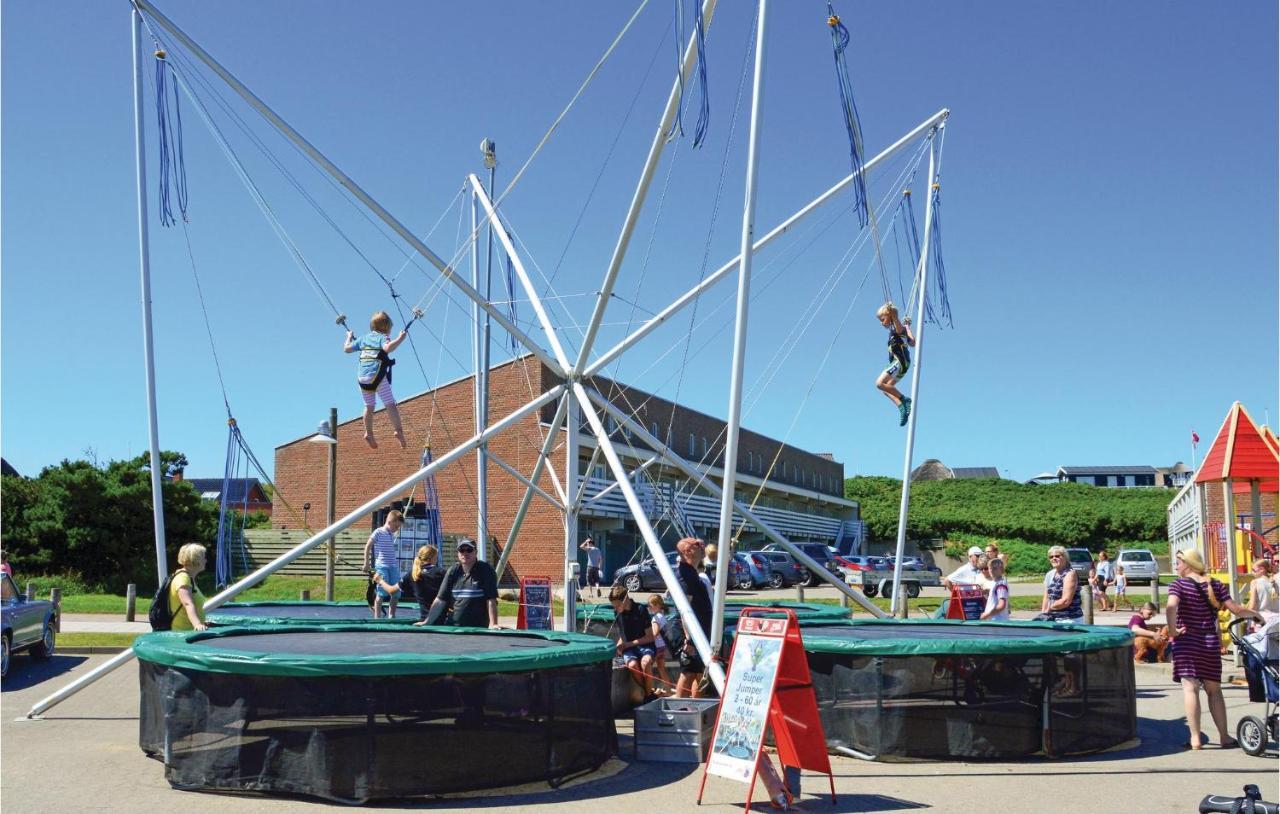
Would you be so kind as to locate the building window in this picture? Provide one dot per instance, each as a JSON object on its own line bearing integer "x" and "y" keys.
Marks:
{"x": 653, "y": 430}
{"x": 704, "y": 447}
{"x": 1099, "y": 480}
{"x": 693, "y": 445}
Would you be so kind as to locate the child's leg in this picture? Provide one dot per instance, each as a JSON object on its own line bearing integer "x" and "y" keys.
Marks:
{"x": 887, "y": 385}
{"x": 368, "y": 397}
{"x": 660, "y": 669}
{"x": 393, "y": 412}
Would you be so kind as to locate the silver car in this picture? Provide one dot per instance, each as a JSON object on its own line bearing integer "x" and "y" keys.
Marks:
{"x": 1139, "y": 565}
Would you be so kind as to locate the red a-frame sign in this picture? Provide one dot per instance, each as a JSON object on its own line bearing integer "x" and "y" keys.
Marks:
{"x": 768, "y": 685}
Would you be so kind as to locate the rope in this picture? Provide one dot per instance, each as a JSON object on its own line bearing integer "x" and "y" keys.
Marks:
{"x": 849, "y": 111}
{"x": 173, "y": 170}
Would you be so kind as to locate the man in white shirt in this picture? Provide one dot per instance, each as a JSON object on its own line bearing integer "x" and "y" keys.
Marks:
{"x": 968, "y": 574}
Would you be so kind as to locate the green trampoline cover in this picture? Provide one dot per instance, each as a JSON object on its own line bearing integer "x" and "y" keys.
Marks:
{"x": 930, "y": 637}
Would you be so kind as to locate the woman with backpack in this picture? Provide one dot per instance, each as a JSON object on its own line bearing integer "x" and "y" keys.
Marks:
{"x": 186, "y": 603}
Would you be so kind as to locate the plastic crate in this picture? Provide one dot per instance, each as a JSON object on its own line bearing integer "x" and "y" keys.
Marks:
{"x": 675, "y": 729}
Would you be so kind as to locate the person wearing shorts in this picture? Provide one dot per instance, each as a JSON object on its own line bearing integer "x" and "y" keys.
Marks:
{"x": 635, "y": 638}
{"x": 373, "y": 372}
{"x": 695, "y": 590}
{"x": 595, "y": 562}
{"x": 381, "y": 550}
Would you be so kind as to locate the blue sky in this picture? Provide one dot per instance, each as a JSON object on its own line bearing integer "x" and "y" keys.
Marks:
{"x": 1109, "y": 188}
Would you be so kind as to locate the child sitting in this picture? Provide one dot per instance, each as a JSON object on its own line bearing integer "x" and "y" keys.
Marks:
{"x": 900, "y": 337}
{"x": 658, "y": 615}
{"x": 373, "y": 372}
{"x": 635, "y": 638}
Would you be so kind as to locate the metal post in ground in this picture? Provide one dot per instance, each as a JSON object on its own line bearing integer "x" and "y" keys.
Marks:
{"x": 331, "y": 549}
{"x": 130, "y": 602}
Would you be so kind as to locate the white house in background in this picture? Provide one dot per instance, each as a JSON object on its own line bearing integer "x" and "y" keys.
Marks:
{"x": 1112, "y": 477}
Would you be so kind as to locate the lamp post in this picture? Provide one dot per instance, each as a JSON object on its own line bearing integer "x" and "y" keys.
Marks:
{"x": 327, "y": 433}
{"x": 306, "y": 507}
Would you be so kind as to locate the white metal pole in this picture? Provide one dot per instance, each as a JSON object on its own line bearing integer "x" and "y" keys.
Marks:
{"x": 724, "y": 555}
{"x": 898, "y": 604}
{"x": 672, "y": 457}
{"x": 719, "y": 274}
{"x": 642, "y": 189}
{"x": 148, "y": 336}
{"x": 572, "y": 422}
{"x": 315, "y": 539}
{"x": 478, "y": 406}
{"x": 525, "y": 282}
{"x": 696, "y": 634}
{"x": 342, "y": 178}
{"x": 543, "y": 459}
{"x": 482, "y": 374}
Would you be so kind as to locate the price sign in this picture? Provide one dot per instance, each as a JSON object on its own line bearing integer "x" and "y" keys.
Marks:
{"x": 747, "y": 693}
{"x": 535, "y": 604}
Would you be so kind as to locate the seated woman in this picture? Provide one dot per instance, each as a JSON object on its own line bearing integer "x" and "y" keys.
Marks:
{"x": 1149, "y": 644}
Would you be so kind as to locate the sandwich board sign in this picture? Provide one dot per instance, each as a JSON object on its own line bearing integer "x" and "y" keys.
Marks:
{"x": 768, "y": 686}
{"x": 535, "y": 604}
{"x": 967, "y": 602}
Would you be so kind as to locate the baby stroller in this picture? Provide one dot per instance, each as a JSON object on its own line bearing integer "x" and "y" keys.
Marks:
{"x": 1261, "y": 652}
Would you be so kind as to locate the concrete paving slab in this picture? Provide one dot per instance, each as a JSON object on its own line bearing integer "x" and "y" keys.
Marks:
{"x": 84, "y": 757}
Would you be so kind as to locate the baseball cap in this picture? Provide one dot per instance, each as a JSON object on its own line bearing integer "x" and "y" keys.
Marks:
{"x": 464, "y": 543}
{"x": 973, "y": 549}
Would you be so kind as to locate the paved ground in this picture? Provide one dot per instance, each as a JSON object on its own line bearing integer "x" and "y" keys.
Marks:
{"x": 84, "y": 757}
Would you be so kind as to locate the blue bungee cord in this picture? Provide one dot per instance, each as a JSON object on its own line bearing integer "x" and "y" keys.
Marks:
{"x": 849, "y": 112}
{"x": 173, "y": 169}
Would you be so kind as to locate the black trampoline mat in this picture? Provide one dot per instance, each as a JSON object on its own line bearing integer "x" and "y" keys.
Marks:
{"x": 299, "y": 611}
{"x": 935, "y": 632}
{"x": 373, "y": 643}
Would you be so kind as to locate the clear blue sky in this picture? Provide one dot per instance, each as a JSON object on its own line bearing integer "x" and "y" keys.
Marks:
{"x": 1110, "y": 213}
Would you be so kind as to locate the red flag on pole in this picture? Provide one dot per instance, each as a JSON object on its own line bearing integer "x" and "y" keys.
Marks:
{"x": 1195, "y": 439}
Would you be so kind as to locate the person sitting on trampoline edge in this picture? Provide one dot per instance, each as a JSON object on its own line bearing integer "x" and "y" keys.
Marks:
{"x": 373, "y": 372}
{"x": 635, "y": 638}
{"x": 380, "y": 550}
{"x": 900, "y": 337}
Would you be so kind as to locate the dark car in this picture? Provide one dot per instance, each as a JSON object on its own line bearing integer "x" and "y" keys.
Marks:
{"x": 864, "y": 562}
{"x": 758, "y": 568}
{"x": 29, "y": 624}
{"x": 818, "y": 552}
{"x": 644, "y": 576}
{"x": 784, "y": 571}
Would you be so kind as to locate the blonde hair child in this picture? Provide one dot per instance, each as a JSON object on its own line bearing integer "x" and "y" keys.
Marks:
{"x": 658, "y": 613}
{"x": 373, "y": 372}
{"x": 900, "y": 338}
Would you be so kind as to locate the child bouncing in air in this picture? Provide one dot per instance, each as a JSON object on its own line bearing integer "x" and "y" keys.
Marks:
{"x": 373, "y": 371}
{"x": 900, "y": 337}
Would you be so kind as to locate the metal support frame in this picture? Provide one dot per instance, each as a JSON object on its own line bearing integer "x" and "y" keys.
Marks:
{"x": 479, "y": 404}
{"x": 898, "y": 603}
{"x": 572, "y": 423}
{"x": 331, "y": 507}
{"x": 733, "y": 422}
{"x": 148, "y": 333}
{"x": 544, "y": 458}
{"x": 672, "y": 457}
{"x": 606, "y": 490}
{"x": 316, "y": 539}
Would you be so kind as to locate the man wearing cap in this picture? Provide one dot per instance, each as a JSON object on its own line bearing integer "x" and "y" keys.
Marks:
{"x": 470, "y": 590}
{"x": 968, "y": 574}
{"x": 691, "y": 665}
{"x": 595, "y": 562}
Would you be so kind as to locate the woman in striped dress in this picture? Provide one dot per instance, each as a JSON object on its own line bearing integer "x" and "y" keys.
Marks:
{"x": 1192, "y": 614}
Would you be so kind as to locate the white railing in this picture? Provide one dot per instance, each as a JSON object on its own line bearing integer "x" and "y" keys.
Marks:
{"x": 1184, "y": 519}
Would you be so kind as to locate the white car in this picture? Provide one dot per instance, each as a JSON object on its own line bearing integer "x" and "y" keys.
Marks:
{"x": 1139, "y": 565}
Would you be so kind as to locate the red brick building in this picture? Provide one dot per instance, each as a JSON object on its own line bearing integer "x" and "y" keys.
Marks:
{"x": 803, "y": 497}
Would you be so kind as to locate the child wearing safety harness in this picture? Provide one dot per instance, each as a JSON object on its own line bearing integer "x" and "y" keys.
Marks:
{"x": 373, "y": 372}
{"x": 900, "y": 338}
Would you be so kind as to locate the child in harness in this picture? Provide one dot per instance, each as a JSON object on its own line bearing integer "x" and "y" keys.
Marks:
{"x": 373, "y": 372}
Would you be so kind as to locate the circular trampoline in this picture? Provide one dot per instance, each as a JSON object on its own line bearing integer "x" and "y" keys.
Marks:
{"x": 285, "y": 612}
{"x": 936, "y": 688}
{"x": 356, "y": 712}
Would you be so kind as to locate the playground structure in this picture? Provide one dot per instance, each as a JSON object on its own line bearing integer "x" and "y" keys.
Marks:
{"x": 574, "y": 401}
{"x": 1227, "y": 512}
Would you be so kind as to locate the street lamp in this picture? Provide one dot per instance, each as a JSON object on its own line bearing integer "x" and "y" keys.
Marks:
{"x": 306, "y": 507}
{"x": 327, "y": 433}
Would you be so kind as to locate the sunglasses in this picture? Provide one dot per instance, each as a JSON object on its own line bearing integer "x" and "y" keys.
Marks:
{"x": 467, "y": 550}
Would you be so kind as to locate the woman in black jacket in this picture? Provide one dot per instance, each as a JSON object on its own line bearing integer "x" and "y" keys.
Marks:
{"x": 427, "y": 576}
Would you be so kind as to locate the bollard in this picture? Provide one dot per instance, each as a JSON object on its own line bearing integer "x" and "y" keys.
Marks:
{"x": 31, "y": 591}
{"x": 55, "y": 596}
{"x": 130, "y": 602}
{"x": 1088, "y": 605}
{"x": 1155, "y": 590}
{"x": 799, "y": 591}
{"x": 844, "y": 600}
{"x": 304, "y": 595}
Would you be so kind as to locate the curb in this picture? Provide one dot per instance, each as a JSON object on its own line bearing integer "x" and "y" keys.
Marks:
{"x": 93, "y": 650}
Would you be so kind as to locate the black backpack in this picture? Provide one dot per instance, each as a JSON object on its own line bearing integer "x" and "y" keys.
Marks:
{"x": 673, "y": 634}
{"x": 159, "y": 615}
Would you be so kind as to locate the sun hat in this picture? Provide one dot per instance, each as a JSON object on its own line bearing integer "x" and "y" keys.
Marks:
{"x": 1193, "y": 560}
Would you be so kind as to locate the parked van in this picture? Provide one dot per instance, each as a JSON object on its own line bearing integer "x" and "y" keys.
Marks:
{"x": 1081, "y": 559}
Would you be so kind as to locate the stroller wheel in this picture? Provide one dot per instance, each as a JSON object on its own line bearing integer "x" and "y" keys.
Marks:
{"x": 1251, "y": 732}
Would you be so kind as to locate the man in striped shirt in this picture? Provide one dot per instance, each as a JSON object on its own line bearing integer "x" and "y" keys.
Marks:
{"x": 386, "y": 565}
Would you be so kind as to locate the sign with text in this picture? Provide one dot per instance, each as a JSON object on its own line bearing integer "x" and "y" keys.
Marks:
{"x": 967, "y": 602}
{"x": 535, "y": 604}
{"x": 748, "y": 691}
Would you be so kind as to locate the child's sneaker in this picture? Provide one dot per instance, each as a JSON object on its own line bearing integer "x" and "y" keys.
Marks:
{"x": 904, "y": 410}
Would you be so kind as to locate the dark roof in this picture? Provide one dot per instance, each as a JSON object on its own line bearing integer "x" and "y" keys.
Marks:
{"x": 975, "y": 472}
{"x": 1107, "y": 470}
{"x": 7, "y": 469}
{"x": 237, "y": 488}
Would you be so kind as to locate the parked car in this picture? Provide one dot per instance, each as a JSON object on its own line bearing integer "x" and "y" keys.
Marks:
{"x": 863, "y": 562}
{"x": 784, "y": 571}
{"x": 1081, "y": 560}
{"x": 913, "y": 564}
{"x": 758, "y": 569}
{"x": 28, "y": 624}
{"x": 818, "y": 552}
{"x": 739, "y": 574}
{"x": 644, "y": 576}
{"x": 1139, "y": 565}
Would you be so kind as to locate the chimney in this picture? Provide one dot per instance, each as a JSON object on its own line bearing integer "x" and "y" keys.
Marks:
{"x": 177, "y": 475}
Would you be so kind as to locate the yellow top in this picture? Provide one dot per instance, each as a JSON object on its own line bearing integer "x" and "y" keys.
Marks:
{"x": 181, "y": 579}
